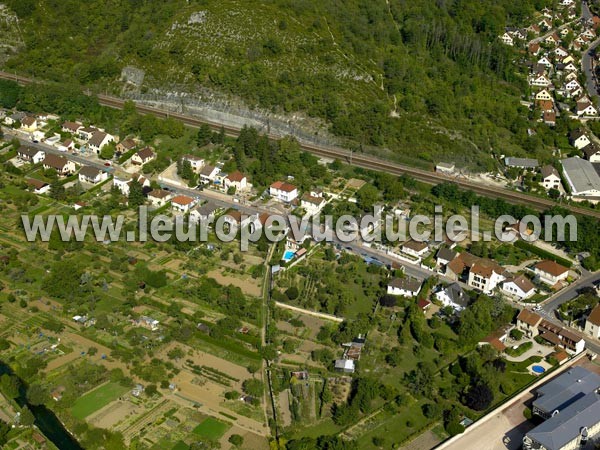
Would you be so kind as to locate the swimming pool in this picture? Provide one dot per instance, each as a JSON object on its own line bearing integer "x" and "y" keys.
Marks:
{"x": 288, "y": 255}
{"x": 538, "y": 369}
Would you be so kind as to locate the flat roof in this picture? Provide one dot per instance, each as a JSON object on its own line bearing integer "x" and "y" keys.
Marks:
{"x": 565, "y": 389}
{"x": 581, "y": 175}
{"x": 556, "y": 432}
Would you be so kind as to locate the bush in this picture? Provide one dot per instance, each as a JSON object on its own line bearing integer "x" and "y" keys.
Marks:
{"x": 236, "y": 439}
{"x": 292, "y": 293}
{"x": 388, "y": 300}
{"x": 516, "y": 334}
{"x": 527, "y": 413}
{"x": 526, "y": 346}
{"x": 454, "y": 428}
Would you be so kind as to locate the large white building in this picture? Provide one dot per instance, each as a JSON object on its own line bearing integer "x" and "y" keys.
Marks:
{"x": 582, "y": 178}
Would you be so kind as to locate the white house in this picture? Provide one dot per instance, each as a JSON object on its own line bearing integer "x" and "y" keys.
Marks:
{"x": 196, "y": 162}
{"x": 572, "y": 71}
{"x": 182, "y": 203}
{"x": 540, "y": 81}
{"x": 585, "y": 107}
{"x": 485, "y": 275}
{"x": 66, "y": 145}
{"x": 237, "y": 180}
{"x": 142, "y": 157}
{"x": 561, "y": 53}
{"x": 312, "y": 202}
{"x": 550, "y": 272}
{"x": 29, "y": 123}
{"x": 445, "y": 255}
{"x": 99, "y": 139}
{"x": 519, "y": 287}
{"x": 453, "y": 296}
{"x": 93, "y": 175}
{"x": 543, "y": 95}
{"x": 62, "y": 165}
{"x": 159, "y": 197}
{"x": 507, "y": 39}
{"x": 407, "y": 287}
{"x": 550, "y": 178}
{"x": 579, "y": 139}
{"x": 588, "y": 33}
{"x": 38, "y": 186}
{"x": 284, "y": 192}
{"x": 86, "y": 133}
{"x": 415, "y": 248}
{"x": 592, "y": 323}
{"x": 544, "y": 61}
{"x": 205, "y": 212}
{"x": 208, "y": 174}
{"x": 528, "y": 322}
{"x": 553, "y": 39}
{"x": 31, "y": 155}
{"x": 122, "y": 184}
{"x": 572, "y": 84}
{"x": 235, "y": 219}
{"x": 71, "y": 127}
{"x": 592, "y": 153}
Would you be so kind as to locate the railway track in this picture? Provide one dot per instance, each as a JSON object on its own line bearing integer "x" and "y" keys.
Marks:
{"x": 358, "y": 160}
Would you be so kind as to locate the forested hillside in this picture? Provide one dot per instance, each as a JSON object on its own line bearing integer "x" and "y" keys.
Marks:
{"x": 426, "y": 78}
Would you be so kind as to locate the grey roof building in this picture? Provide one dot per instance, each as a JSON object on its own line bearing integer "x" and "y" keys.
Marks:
{"x": 582, "y": 177}
{"x": 564, "y": 390}
{"x": 522, "y": 163}
{"x": 569, "y": 428}
{"x": 445, "y": 255}
{"x": 453, "y": 295}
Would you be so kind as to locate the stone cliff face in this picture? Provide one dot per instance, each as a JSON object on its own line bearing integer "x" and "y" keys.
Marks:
{"x": 11, "y": 41}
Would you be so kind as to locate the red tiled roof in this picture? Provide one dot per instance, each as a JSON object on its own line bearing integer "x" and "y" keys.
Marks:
{"x": 236, "y": 176}
{"x": 528, "y": 317}
{"x": 182, "y": 200}
{"x": 594, "y": 316}
{"x": 551, "y": 267}
{"x": 283, "y": 186}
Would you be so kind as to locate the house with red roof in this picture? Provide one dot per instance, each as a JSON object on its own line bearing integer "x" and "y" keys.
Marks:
{"x": 283, "y": 191}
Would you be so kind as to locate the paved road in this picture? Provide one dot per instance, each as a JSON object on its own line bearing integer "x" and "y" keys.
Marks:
{"x": 569, "y": 293}
{"x": 587, "y": 60}
{"x": 83, "y": 160}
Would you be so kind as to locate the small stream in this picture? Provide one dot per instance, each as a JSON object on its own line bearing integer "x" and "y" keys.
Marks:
{"x": 45, "y": 419}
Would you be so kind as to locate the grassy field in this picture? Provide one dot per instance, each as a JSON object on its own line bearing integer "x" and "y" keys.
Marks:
{"x": 180, "y": 446}
{"x": 211, "y": 429}
{"x": 96, "y": 399}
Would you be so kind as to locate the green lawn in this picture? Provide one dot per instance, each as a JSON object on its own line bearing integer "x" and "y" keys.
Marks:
{"x": 180, "y": 446}
{"x": 96, "y": 399}
{"x": 211, "y": 429}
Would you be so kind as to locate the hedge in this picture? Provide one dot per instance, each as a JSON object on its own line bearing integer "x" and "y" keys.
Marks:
{"x": 542, "y": 253}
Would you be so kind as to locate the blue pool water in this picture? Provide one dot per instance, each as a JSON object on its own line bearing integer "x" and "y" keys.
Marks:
{"x": 538, "y": 369}
{"x": 288, "y": 255}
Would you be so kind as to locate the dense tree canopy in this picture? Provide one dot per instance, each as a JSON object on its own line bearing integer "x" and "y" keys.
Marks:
{"x": 407, "y": 75}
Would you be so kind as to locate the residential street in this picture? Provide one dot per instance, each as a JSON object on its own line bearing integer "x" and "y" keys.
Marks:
{"x": 587, "y": 59}
{"x": 569, "y": 293}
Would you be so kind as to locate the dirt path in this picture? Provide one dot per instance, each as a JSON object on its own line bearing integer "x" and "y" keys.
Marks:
{"x": 284, "y": 408}
{"x": 310, "y": 313}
